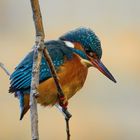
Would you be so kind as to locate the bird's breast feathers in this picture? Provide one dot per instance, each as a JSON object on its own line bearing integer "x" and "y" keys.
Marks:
{"x": 72, "y": 75}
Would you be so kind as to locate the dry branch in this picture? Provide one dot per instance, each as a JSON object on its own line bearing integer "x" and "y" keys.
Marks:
{"x": 38, "y": 49}
{"x": 4, "y": 68}
{"x": 33, "y": 92}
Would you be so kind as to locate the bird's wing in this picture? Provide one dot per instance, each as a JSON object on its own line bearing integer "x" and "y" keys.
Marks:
{"x": 21, "y": 77}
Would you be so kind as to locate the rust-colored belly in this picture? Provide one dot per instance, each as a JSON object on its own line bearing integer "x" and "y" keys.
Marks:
{"x": 72, "y": 76}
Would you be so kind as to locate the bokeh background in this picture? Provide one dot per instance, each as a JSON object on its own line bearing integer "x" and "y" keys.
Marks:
{"x": 102, "y": 110}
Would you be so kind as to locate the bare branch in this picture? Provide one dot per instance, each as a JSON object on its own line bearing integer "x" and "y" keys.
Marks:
{"x": 5, "y": 69}
{"x": 33, "y": 92}
{"x": 38, "y": 49}
{"x": 37, "y": 18}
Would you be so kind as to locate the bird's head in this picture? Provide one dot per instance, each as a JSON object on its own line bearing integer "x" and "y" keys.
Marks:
{"x": 85, "y": 40}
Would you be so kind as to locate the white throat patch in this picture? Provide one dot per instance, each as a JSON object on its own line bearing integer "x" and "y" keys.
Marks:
{"x": 86, "y": 63}
{"x": 69, "y": 44}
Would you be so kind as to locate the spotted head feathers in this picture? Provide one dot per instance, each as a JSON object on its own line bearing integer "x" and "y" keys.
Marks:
{"x": 86, "y": 37}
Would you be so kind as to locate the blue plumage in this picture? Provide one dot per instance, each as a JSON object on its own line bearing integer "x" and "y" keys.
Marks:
{"x": 20, "y": 96}
{"x": 85, "y": 37}
{"x": 21, "y": 77}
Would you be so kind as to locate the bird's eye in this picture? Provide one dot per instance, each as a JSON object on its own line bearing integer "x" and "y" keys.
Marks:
{"x": 89, "y": 53}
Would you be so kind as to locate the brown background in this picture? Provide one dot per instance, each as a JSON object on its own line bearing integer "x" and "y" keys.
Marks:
{"x": 102, "y": 110}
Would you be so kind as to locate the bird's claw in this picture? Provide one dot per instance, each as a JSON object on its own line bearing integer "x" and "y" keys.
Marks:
{"x": 36, "y": 95}
{"x": 63, "y": 102}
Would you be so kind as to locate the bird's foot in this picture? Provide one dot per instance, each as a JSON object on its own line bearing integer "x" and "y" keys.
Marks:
{"x": 36, "y": 95}
{"x": 63, "y": 102}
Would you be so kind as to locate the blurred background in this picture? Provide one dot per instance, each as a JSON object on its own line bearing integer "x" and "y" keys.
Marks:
{"x": 102, "y": 110}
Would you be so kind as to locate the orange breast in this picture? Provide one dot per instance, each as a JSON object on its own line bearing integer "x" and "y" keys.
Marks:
{"x": 72, "y": 76}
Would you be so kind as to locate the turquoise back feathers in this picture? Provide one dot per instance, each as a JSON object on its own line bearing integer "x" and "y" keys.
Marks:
{"x": 21, "y": 77}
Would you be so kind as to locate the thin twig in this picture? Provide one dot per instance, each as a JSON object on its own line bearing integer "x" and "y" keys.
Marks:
{"x": 67, "y": 128}
{"x": 5, "y": 69}
{"x": 61, "y": 95}
{"x": 56, "y": 79}
{"x": 67, "y": 119}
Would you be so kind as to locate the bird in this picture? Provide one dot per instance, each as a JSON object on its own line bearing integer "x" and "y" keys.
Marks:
{"x": 72, "y": 55}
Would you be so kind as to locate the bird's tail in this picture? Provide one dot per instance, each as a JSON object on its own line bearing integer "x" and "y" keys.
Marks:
{"x": 24, "y": 103}
{"x": 23, "y": 98}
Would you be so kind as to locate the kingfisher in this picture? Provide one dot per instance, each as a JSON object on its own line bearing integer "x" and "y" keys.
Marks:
{"x": 72, "y": 54}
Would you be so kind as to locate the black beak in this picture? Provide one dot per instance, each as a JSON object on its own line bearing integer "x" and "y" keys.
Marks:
{"x": 101, "y": 67}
